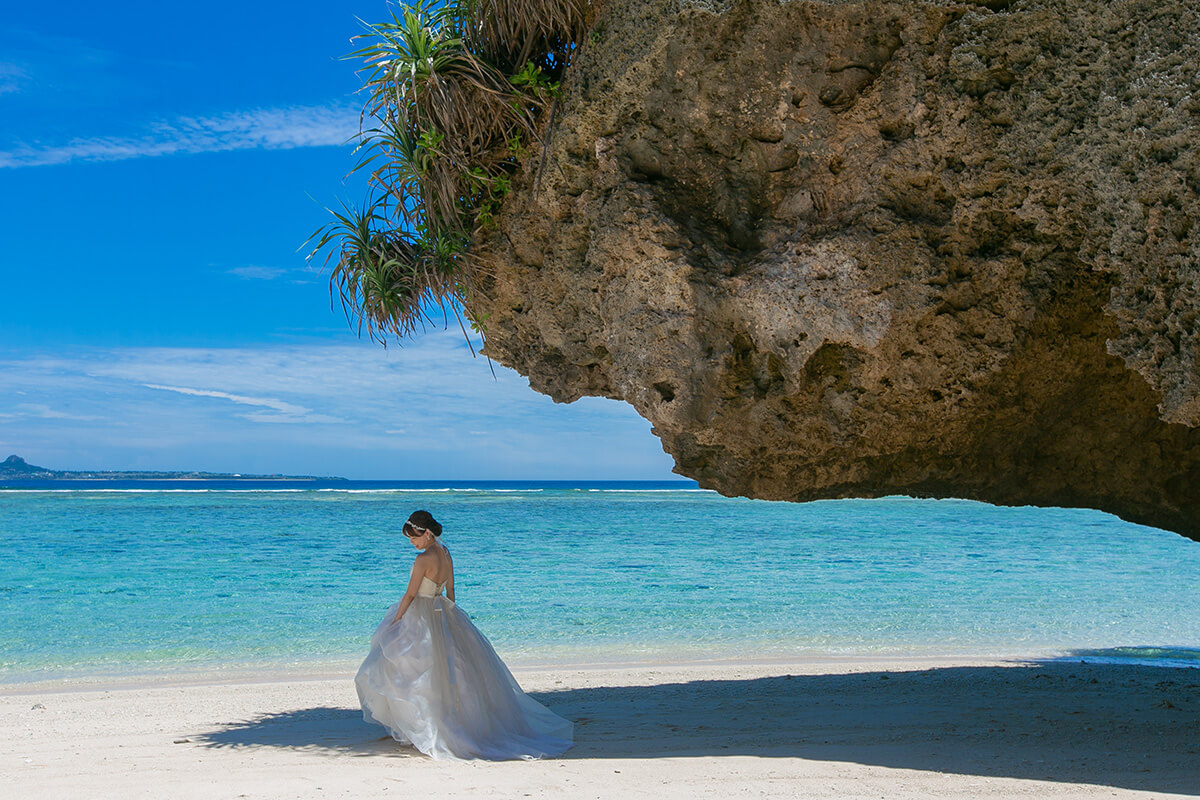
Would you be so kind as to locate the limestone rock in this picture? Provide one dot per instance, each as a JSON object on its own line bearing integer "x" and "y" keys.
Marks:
{"x": 835, "y": 249}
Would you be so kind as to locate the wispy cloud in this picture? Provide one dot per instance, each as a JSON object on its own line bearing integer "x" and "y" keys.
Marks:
{"x": 254, "y": 272}
{"x": 427, "y": 409}
{"x": 257, "y": 273}
{"x": 47, "y": 65}
{"x": 261, "y": 129}
{"x": 12, "y": 78}
{"x": 285, "y": 412}
{"x": 43, "y": 411}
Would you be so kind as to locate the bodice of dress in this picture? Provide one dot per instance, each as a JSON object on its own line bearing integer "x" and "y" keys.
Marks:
{"x": 429, "y": 589}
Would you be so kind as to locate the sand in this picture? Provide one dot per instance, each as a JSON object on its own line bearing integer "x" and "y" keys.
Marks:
{"x": 850, "y": 729}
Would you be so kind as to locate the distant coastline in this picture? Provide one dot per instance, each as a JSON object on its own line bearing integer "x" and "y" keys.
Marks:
{"x": 16, "y": 468}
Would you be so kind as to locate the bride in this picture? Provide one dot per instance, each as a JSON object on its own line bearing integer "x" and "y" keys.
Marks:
{"x": 433, "y": 680}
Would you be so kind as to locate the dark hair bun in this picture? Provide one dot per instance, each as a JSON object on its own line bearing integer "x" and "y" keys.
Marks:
{"x": 423, "y": 519}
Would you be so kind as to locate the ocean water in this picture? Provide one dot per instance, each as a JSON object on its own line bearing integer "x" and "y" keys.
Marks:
{"x": 139, "y": 578}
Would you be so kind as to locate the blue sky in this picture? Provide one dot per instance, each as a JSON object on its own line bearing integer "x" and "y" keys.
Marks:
{"x": 160, "y": 167}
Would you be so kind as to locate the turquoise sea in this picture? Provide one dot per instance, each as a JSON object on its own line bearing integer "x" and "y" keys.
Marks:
{"x": 153, "y": 578}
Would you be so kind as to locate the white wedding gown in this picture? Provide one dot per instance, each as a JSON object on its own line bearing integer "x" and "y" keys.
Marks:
{"x": 433, "y": 680}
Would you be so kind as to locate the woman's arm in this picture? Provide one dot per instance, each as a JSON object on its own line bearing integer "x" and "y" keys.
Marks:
{"x": 450, "y": 580}
{"x": 414, "y": 583}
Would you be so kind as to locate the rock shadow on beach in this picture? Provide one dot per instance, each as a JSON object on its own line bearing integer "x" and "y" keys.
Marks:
{"x": 1124, "y": 726}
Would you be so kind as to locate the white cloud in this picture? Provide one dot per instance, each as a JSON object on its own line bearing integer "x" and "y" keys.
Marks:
{"x": 55, "y": 64}
{"x": 424, "y": 410}
{"x": 12, "y": 78}
{"x": 264, "y": 129}
{"x": 42, "y": 411}
{"x": 278, "y": 405}
{"x": 285, "y": 412}
{"x": 257, "y": 273}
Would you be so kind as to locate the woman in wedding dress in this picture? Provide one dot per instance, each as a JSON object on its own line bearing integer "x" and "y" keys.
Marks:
{"x": 433, "y": 680}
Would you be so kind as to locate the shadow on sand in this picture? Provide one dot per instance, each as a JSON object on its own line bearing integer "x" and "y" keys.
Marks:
{"x": 1126, "y": 726}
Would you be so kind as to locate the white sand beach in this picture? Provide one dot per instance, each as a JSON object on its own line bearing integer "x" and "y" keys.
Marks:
{"x": 850, "y": 729}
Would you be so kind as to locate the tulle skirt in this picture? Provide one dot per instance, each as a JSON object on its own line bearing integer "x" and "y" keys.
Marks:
{"x": 434, "y": 681}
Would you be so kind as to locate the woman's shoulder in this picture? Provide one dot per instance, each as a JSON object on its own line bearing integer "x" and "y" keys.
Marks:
{"x": 432, "y": 556}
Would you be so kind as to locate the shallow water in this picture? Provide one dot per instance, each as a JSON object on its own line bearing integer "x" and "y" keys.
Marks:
{"x": 131, "y": 580}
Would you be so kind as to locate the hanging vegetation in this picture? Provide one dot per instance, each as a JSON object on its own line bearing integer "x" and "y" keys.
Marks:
{"x": 455, "y": 94}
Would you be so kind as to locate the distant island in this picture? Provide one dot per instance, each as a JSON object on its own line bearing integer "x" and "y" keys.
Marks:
{"x": 15, "y": 467}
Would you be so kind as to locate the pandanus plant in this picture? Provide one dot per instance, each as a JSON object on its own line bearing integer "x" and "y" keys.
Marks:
{"x": 512, "y": 33}
{"x": 433, "y": 97}
{"x": 384, "y": 276}
{"x": 450, "y": 86}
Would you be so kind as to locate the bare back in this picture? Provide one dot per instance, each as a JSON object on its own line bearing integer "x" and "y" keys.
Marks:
{"x": 436, "y": 564}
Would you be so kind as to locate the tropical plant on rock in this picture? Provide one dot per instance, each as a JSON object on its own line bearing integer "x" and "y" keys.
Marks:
{"x": 453, "y": 90}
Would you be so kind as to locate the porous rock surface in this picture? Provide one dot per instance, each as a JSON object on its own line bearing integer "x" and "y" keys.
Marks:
{"x": 852, "y": 249}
